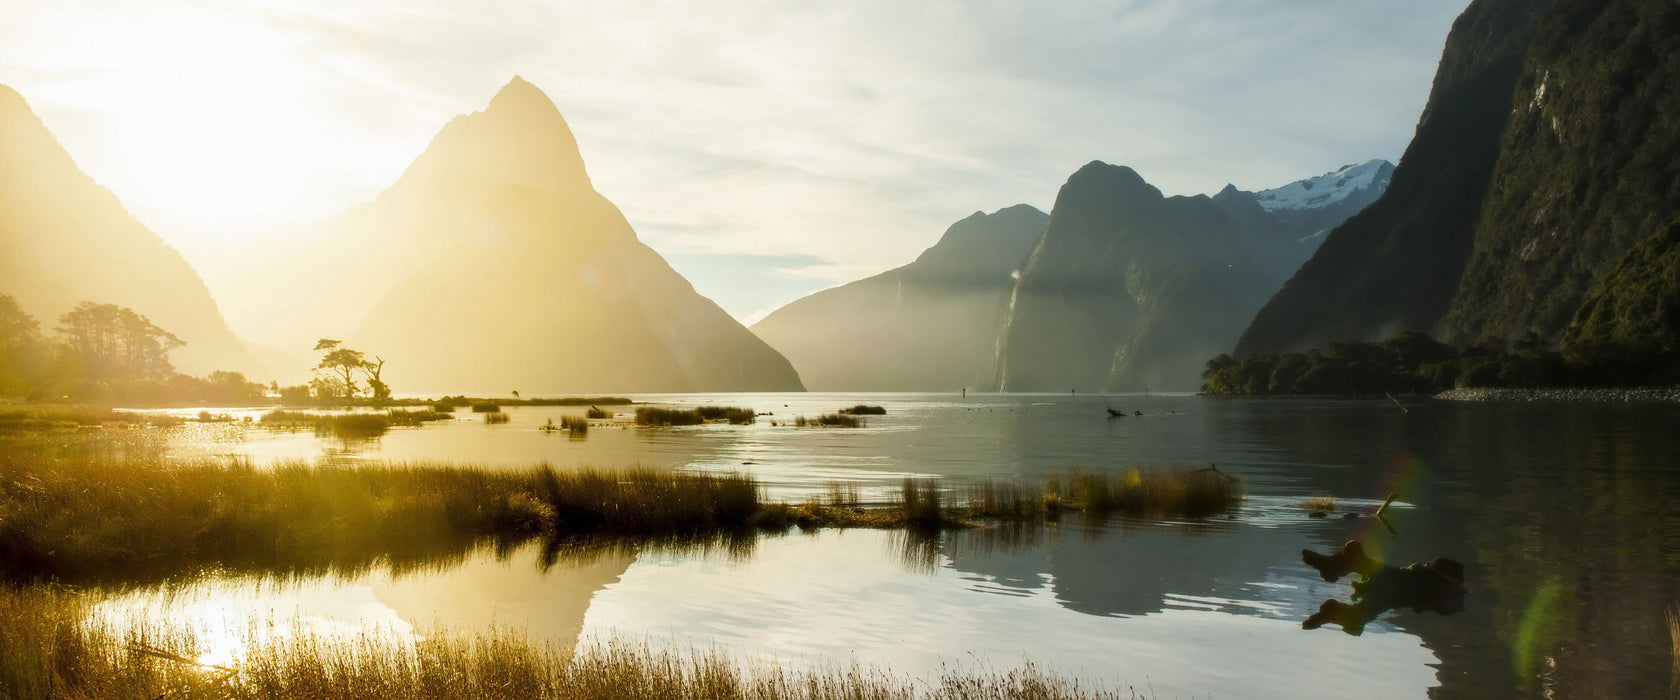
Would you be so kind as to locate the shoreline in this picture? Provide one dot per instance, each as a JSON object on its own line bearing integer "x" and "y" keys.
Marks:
{"x": 1575, "y": 395}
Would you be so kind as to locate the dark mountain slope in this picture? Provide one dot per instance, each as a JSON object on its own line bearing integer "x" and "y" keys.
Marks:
{"x": 1396, "y": 265}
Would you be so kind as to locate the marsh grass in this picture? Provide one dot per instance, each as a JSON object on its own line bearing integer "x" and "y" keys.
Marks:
{"x": 1158, "y": 492}
{"x": 496, "y": 418}
{"x": 83, "y": 516}
{"x": 664, "y": 417}
{"x": 864, "y": 410}
{"x": 349, "y": 425}
{"x": 595, "y": 413}
{"x": 486, "y": 407}
{"x": 574, "y": 424}
{"x": 416, "y": 416}
{"x": 53, "y": 649}
{"x": 1319, "y": 505}
{"x": 67, "y": 416}
{"x": 829, "y": 420}
{"x": 920, "y": 500}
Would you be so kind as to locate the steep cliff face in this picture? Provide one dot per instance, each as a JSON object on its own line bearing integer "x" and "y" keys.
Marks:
{"x": 1397, "y": 264}
{"x": 65, "y": 239}
{"x": 493, "y": 265}
{"x": 1128, "y": 290}
{"x": 1632, "y": 316}
{"x": 930, "y": 325}
{"x": 1586, "y": 168}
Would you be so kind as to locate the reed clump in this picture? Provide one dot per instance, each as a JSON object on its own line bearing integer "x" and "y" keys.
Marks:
{"x": 734, "y": 414}
{"x": 349, "y": 425}
{"x": 496, "y": 418}
{"x": 486, "y": 407}
{"x": 864, "y": 410}
{"x": 574, "y": 425}
{"x": 596, "y": 413}
{"x": 664, "y": 417}
{"x": 920, "y": 500}
{"x": 829, "y": 420}
{"x": 1319, "y": 505}
{"x": 52, "y": 649}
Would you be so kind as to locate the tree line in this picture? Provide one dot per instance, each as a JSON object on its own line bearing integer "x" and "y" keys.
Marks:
{"x": 1414, "y": 363}
{"x": 105, "y": 353}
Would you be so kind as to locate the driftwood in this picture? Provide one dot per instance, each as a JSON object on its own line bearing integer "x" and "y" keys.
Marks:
{"x": 1437, "y": 585}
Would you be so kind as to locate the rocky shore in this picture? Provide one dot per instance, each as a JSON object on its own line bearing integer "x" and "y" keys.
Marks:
{"x": 1582, "y": 394}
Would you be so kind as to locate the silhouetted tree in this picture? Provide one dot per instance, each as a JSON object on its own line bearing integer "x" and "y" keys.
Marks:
{"x": 111, "y": 342}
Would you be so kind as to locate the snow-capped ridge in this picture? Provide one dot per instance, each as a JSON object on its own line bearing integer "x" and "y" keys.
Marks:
{"x": 1326, "y": 189}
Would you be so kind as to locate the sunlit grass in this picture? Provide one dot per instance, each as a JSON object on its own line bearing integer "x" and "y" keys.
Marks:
{"x": 107, "y": 511}
{"x": 50, "y": 648}
{"x": 59, "y": 416}
{"x": 351, "y": 425}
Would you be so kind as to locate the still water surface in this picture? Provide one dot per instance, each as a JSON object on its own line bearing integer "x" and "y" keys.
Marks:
{"x": 1567, "y": 518}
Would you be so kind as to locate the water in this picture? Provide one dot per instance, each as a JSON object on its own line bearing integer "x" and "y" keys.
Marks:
{"x": 1566, "y": 517}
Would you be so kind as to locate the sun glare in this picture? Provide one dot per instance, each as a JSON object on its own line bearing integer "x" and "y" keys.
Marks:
{"x": 212, "y": 116}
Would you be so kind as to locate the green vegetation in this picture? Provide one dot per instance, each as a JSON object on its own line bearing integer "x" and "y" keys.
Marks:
{"x": 862, "y": 410}
{"x": 665, "y": 417}
{"x": 50, "y": 649}
{"x": 1413, "y": 363}
{"x": 829, "y": 420}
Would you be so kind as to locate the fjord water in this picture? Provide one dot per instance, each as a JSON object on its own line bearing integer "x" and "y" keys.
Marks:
{"x": 1566, "y": 517}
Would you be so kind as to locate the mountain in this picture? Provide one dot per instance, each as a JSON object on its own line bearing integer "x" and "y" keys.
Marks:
{"x": 492, "y": 264}
{"x": 1129, "y": 290}
{"x": 1295, "y": 218}
{"x": 1586, "y": 168}
{"x": 1543, "y": 160}
{"x": 930, "y": 325}
{"x": 65, "y": 239}
{"x": 1395, "y": 265}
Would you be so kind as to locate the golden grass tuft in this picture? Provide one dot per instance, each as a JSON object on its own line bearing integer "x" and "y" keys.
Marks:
{"x": 1319, "y": 505}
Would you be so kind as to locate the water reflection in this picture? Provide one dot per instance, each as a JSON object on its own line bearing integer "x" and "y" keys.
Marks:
{"x": 1566, "y": 517}
{"x": 1437, "y": 586}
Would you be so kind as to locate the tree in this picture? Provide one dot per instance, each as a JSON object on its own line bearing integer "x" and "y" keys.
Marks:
{"x": 341, "y": 364}
{"x": 336, "y": 374}
{"x": 380, "y": 391}
{"x": 22, "y": 350}
{"x": 114, "y": 343}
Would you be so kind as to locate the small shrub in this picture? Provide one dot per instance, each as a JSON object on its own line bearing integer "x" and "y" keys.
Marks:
{"x": 862, "y": 410}
{"x": 495, "y": 418}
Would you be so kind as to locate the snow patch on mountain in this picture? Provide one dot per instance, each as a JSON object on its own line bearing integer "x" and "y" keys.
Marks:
{"x": 1326, "y": 189}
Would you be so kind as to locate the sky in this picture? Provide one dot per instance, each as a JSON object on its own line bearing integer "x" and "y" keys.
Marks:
{"x": 766, "y": 149}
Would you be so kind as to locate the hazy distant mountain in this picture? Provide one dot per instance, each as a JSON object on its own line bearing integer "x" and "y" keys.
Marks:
{"x": 1128, "y": 290}
{"x": 1544, "y": 157}
{"x": 65, "y": 239}
{"x": 930, "y": 325}
{"x": 493, "y": 265}
{"x": 1296, "y": 217}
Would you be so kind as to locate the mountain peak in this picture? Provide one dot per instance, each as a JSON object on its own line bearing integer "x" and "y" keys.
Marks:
{"x": 1114, "y": 182}
{"x": 1328, "y": 188}
{"x": 519, "y": 95}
